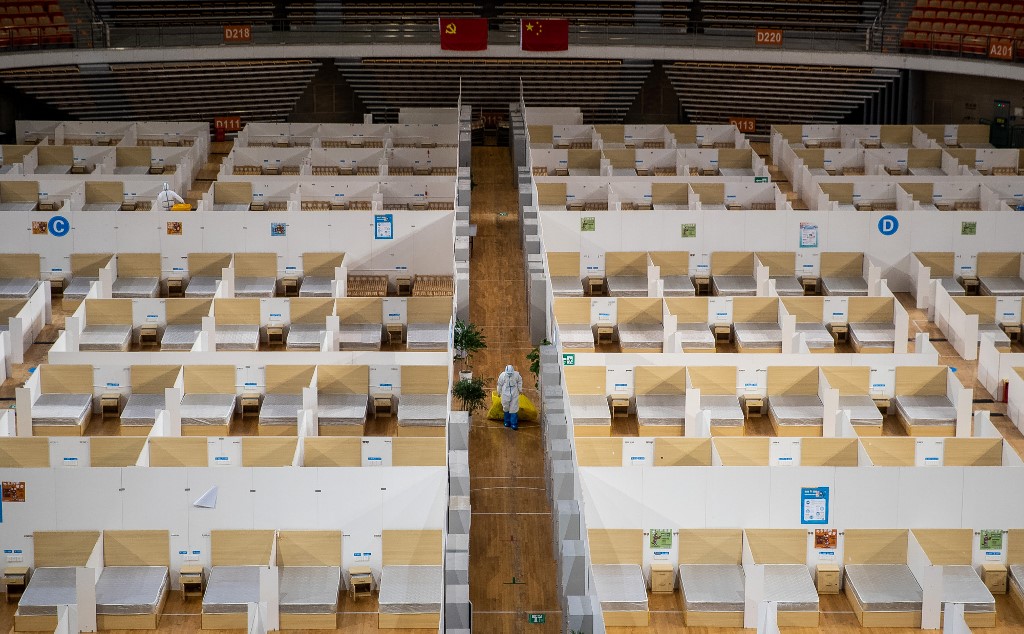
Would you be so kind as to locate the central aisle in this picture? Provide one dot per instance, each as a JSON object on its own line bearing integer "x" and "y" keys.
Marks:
{"x": 511, "y": 530}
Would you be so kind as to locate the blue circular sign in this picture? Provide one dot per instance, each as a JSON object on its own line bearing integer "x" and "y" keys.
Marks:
{"x": 888, "y": 225}
{"x": 59, "y": 226}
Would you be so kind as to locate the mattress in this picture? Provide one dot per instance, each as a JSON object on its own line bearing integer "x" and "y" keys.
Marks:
{"x": 342, "y": 409}
{"x": 305, "y": 336}
{"x": 816, "y": 335}
{"x": 313, "y": 286}
{"x": 999, "y": 337}
{"x": 576, "y": 336}
{"x": 141, "y": 409}
{"x": 696, "y": 335}
{"x": 646, "y": 336}
{"x": 110, "y": 338}
{"x": 734, "y": 285}
{"x": 872, "y": 334}
{"x": 280, "y": 409}
{"x": 426, "y": 336}
{"x": 61, "y": 409}
{"x": 589, "y": 409}
{"x": 762, "y": 335}
{"x": 79, "y": 287}
{"x": 627, "y": 286}
{"x": 255, "y": 286}
{"x": 237, "y": 337}
{"x": 884, "y": 587}
{"x": 925, "y": 410}
{"x": 131, "y": 589}
{"x": 202, "y": 286}
{"x": 566, "y": 286}
{"x": 678, "y": 286}
{"x": 791, "y": 587}
{"x": 1017, "y": 577}
{"x": 231, "y": 589}
{"x": 207, "y": 409}
{"x": 128, "y": 287}
{"x": 661, "y": 409}
{"x": 722, "y": 409}
{"x": 788, "y": 286}
{"x": 951, "y": 285}
{"x": 308, "y": 589}
{"x": 844, "y": 286}
{"x": 411, "y": 589}
{"x": 961, "y": 584}
{"x": 17, "y": 288}
{"x": 19, "y": 206}
{"x": 364, "y": 336}
{"x": 423, "y": 410}
{"x": 180, "y": 336}
{"x": 712, "y": 587}
{"x": 47, "y": 589}
{"x": 1001, "y": 285}
{"x": 795, "y": 409}
{"x": 863, "y": 410}
{"x": 620, "y": 587}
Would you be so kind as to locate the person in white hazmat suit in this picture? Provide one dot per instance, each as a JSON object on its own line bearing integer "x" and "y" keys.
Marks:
{"x": 510, "y": 386}
{"x": 166, "y": 199}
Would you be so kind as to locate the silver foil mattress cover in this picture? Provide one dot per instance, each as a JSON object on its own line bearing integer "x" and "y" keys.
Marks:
{"x": 1001, "y": 285}
{"x": 863, "y": 410}
{"x": 423, "y": 410}
{"x": 576, "y": 336}
{"x": 589, "y": 409}
{"x": 255, "y": 286}
{"x": 47, "y": 589}
{"x": 734, "y": 285}
{"x": 207, "y": 409}
{"x": 844, "y": 286}
{"x": 342, "y": 409}
{"x": 411, "y": 589}
{"x": 106, "y": 338}
{"x": 790, "y": 586}
{"x": 426, "y": 336}
{"x": 61, "y": 409}
{"x": 712, "y": 587}
{"x": 723, "y": 409}
{"x": 202, "y": 286}
{"x": 642, "y": 336}
{"x": 128, "y": 287}
{"x": 17, "y": 288}
{"x": 620, "y": 587}
{"x": 280, "y": 409}
{"x": 363, "y": 336}
{"x": 308, "y": 589}
{"x": 231, "y": 589}
{"x": 79, "y": 287}
{"x": 873, "y": 334}
{"x": 758, "y": 334}
{"x": 679, "y": 286}
{"x": 952, "y": 286}
{"x": 130, "y": 589}
{"x": 313, "y": 286}
{"x": 237, "y": 337}
{"x": 566, "y": 286}
{"x": 884, "y": 587}
{"x": 925, "y": 410}
{"x": 795, "y": 409}
{"x": 180, "y": 336}
{"x": 627, "y": 286}
{"x": 661, "y": 409}
{"x": 696, "y": 335}
{"x": 141, "y": 409}
{"x": 999, "y": 337}
{"x": 816, "y": 335}
{"x": 788, "y": 286}
{"x": 304, "y": 336}
{"x": 961, "y": 584}
{"x": 1016, "y": 577}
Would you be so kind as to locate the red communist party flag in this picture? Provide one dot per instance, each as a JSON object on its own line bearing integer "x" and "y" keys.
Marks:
{"x": 463, "y": 34}
{"x": 544, "y": 35}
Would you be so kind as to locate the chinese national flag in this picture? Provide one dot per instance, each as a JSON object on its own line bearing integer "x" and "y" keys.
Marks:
{"x": 544, "y": 35}
{"x": 463, "y": 34}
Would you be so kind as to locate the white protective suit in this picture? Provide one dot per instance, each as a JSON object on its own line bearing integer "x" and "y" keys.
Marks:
{"x": 166, "y": 199}
{"x": 510, "y": 386}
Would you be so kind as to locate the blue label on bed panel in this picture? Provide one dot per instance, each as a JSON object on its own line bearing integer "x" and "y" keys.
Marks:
{"x": 195, "y": 552}
{"x": 8, "y": 551}
{"x": 373, "y": 458}
{"x": 250, "y": 384}
{"x": 182, "y": 552}
{"x": 385, "y": 385}
{"x": 17, "y": 551}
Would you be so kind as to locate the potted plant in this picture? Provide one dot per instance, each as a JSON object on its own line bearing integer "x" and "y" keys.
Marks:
{"x": 534, "y": 358}
{"x": 471, "y": 393}
{"x": 467, "y": 340}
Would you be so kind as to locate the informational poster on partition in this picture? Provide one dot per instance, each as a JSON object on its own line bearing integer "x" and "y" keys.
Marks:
{"x": 689, "y": 230}
{"x": 384, "y": 227}
{"x": 814, "y": 505}
{"x": 661, "y": 538}
{"x": 989, "y": 539}
{"x": 808, "y": 235}
{"x": 968, "y": 228}
{"x": 826, "y": 538}
{"x": 13, "y": 491}
{"x": 588, "y": 223}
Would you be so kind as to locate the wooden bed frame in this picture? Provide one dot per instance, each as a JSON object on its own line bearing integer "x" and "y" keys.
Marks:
{"x": 573, "y": 310}
{"x": 588, "y": 379}
{"x": 135, "y": 548}
{"x": 808, "y": 310}
{"x": 659, "y": 379}
{"x": 619, "y": 546}
{"x": 209, "y": 379}
{"x": 710, "y": 546}
{"x": 411, "y": 548}
{"x": 953, "y": 546}
{"x": 56, "y": 549}
{"x": 285, "y": 379}
{"x": 720, "y": 380}
{"x": 877, "y": 546}
{"x": 429, "y": 310}
{"x": 690, "y": 310}
{"x": 783, "y": 546}
{"x": 236, "y": 548}
{"x": 1015, "y": 555}
{"x": 793, "y": 381}
{"x": 343, "y": 379}
{"x": 83, "y": 265}
{"x": 309, "y": 548}
{"x": 65, "y": 379}
{"x": 423, "y": 379}
{"x": 872, "y": 310}
{"x": 852, "y": 380}
{"x": 149, "y": 379}
{"x": 752, "y": 310}
{"x": 640, "y": 311}
{"x": 923, "y": 381}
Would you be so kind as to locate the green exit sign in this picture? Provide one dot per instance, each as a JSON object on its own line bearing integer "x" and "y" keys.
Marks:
{"x": 536, "y": 618}
{"x": 760, "y": 179}
{"x": 568, "y": 359}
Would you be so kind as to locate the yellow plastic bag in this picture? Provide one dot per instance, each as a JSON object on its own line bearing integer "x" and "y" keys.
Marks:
{"x": 527, "y": 410}
{"x": 181, "y": 207}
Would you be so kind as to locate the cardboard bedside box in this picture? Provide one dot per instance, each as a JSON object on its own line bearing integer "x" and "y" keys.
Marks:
{"x": 827, "y": 579}
{"x": 994, "y": 576}
{"x": 663, "y": 578}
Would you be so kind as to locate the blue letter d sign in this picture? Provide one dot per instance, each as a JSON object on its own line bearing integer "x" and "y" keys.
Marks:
{"x": 888, "y": 225}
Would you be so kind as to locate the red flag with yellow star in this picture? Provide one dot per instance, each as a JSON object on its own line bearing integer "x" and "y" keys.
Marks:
{"x": 544, "y": 35}
{"x": 463, "y": 34}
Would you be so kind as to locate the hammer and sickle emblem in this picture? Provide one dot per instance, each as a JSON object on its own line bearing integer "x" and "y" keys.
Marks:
{"x": 449, "y": 28}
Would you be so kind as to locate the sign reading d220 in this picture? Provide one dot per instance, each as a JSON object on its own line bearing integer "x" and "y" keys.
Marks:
{"x": 768, "y": 37}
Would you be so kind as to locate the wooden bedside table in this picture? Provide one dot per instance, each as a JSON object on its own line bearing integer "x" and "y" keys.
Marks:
{"x": 1012, "y": 331}
{"x": 290, "y": 286}
{"x": 395, "y": 332}
{"x": 594, "y": 285}
{"x": 191, "y": 579}
{"x": 250, "y": 403}
{"x": 970, "y": 284}
{"x": 663, "y": 578}
{"x": 383, "y": 405}
{"x": 275, "y": 335}
{"x": 701, "y": 284}
{"x": 810, "y": 284}
{"x": 110, "y": 404}
{"x": 175, "y": 287}
{"x": 149, "y": 335}
{"x": 994, "y": 576}
{"x": 403, "y": 285}
{"x": 839, "y": 332}
{"x": 605, "y": 334}
{"x": 722, "y": 332}
{"x": 15, "y": 581}
{"x": 827, "y": 579}
{"x": 753, "y": 406}
{"x": 620, "y": 407}
{"x": 882, "y": 403}
{"x": 360, "y": 583}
